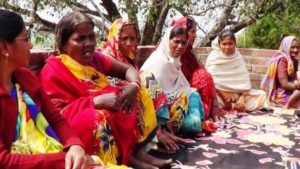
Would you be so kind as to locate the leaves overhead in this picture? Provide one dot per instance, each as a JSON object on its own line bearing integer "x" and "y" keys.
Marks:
{"x": 153, "y": 15}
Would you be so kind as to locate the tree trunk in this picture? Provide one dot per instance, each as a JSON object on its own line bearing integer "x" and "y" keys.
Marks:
{"x": 151, "y": 22}
{"x": 219, "y": 26}
{"x": 111, "y": 9}
{"x": 160, "y": 23}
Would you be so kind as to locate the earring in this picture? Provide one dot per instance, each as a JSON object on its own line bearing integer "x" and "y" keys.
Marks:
{"x": 6, "y": 57}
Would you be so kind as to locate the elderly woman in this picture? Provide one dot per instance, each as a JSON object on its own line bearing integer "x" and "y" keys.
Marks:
{"x": 104, "y": 116}
{"x": 186, "y": 111}
{"x": 33, "y": 133}
{"x": 280, "y": 81}
{"x": 231, "y": 78}
{"x": 195, "y": 72}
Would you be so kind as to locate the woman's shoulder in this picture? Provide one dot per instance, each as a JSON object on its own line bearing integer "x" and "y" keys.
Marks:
{"x": 25, "y": 74}
{"x": 27, "y": 79}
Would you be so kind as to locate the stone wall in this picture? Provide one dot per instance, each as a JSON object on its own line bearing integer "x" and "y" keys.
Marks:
{"x": 256, "y": 59}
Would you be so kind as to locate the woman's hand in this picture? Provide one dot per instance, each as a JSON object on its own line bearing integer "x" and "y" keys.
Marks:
{"x": 297, "y": 84}
{"x": 240, "y": 104}
{"x": 227, "y": 104}
{"x": 110, "y": 101}
{"x": 128, "y": 96}
{"x": 216, "y": 113}
{"x": 76, "y": 158}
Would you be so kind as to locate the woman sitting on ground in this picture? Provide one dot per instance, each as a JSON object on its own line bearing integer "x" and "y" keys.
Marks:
{"x": 122, "y": 45}
{"x": 33, "y": 133}
{"x": 104, "y": 116}
{"x": 122, "y": 42}
{"x": 231, "y": 78}
{"x": 195, "y": 72}
{"x": 280, "y": 81}
{"x": 186, "y": 110}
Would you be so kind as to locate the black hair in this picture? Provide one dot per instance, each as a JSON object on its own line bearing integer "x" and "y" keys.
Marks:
{"x": 12, "y": 25}
{"x": 190, "y": 23}
{"x": 226, "y": 33}
{"x": 178, "y": 30}
{"x": 66, "y": 27}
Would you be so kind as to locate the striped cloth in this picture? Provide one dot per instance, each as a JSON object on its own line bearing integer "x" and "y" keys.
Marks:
{"x": 33, "y": 133}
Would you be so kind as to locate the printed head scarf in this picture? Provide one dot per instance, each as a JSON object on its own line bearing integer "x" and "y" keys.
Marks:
{"x": 112, "y": 45}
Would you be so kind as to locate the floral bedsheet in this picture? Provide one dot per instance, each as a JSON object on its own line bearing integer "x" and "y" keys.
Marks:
{"x": 247, "y": 141}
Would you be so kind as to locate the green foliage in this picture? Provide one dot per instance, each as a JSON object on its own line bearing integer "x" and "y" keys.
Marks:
{"x": 268, "y": 31}
{"x": 130, "y": 7}
{"x": 43, "y": 39}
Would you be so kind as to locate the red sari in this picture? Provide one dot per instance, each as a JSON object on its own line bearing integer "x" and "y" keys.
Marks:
{"x": 198, "y": 78}
{"x": 72, "y": 98}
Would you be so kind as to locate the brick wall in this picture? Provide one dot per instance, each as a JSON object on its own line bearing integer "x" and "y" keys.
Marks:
{"x": 256, "y": 59}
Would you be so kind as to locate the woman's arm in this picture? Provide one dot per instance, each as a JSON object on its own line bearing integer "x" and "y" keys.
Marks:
{"x": 75, "y": 154}
{"x": 123, "y": 71}
{"x": 130, "y": 90}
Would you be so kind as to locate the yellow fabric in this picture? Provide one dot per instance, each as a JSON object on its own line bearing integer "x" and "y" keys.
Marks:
{"x": 109, "y": 165}
{"x": 109, "y": 152}
{"x": 254, "y": 99}
{"x": 31, "y": 140}
{"x": 114, "y": 29}
{"x": 148, "y": 116}
{"x": 179, "y": 107}
{"x": 84, "y": 73}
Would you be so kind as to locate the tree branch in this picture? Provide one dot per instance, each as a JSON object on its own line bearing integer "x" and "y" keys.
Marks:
{"x": 203, "y": 12}
{"x": 160, "y": 22}
{"x": 220, "y": 24}
{"x": 151, "y": 22}
{"x": 111, "y": 9}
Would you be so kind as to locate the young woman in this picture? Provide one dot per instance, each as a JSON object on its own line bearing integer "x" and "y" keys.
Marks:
{"x": 231, "y": 77}
{"x": 33, "y": 133}
{"x": 195, "y": 72}
{"x": 186, "y": 111}
{"x": 280, "y": 81}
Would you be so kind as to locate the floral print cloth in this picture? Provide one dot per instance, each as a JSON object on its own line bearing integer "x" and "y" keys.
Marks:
{"x": 246, "y": 141}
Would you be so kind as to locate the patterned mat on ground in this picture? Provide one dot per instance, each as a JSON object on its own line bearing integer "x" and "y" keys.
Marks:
{"x": 245, "y": 141}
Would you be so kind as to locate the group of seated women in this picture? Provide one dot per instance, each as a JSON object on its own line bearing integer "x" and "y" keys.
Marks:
{"x": 92, "y": 107}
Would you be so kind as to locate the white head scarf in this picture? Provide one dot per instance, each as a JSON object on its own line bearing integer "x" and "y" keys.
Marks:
{"x": 229, "y": 72}
{"x": 166, "y": 68}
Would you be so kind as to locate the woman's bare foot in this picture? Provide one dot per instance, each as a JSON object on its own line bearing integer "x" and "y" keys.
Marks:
{"x": 147, "y": 158}
{"x": 135, "y": 163}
